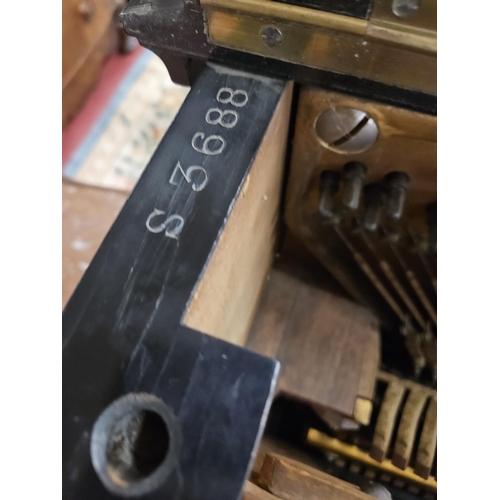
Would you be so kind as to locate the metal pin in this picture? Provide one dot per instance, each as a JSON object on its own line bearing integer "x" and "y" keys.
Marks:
{"x": 328, "y": 185}
{"x": 397, "y": 184}
{"x": 353, "y": 175}
{"x": 373, "y": 201}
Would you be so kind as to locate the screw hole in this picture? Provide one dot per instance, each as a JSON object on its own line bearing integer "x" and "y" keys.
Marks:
{"x": 405, "y": 8}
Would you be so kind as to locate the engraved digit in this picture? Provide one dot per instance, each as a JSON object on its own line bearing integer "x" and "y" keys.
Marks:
{"x": 232, "y": 97}
{"x": 221, "y": 118}
{"x": 175, "y": 231}
{"x": 205, "y": 148}
{"x": 189, "y": 177}
{"x": 169, "y": 233}
{"x": 152, "y": 215}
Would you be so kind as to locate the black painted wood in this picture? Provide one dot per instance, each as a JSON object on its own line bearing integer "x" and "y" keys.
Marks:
{"x": 122, "y": 328}
{"x": 175, "y": 31}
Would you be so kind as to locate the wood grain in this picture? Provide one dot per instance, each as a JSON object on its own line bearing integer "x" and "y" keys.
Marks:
{"x": 87, "y": 33}
{"x": 291, "y": 480}
{"x": 328, "y": 347}
{"x": 226, "y": 298}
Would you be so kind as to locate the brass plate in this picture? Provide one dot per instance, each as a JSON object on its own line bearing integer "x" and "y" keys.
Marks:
{"x": 395, "y": 53}
{"x": 406, "y": 141}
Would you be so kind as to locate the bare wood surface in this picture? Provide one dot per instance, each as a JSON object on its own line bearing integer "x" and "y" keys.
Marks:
{"x": 291, "y": 480}
{"x": 87, "y": 33}
{"x": 274, "y": 446}
{"x": 226, "y": 298}
{"x": 253, "y": 492}
{"x": 329, "y": 347}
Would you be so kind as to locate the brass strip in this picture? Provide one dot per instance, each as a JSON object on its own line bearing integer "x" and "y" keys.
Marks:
{"x": 428, "y": 442}
{"x": 303, "y": 16}
{"x": 352, "y": 452}
{"x": 408, "y": 428}
{"x": 391, "y": 53}
{"x": 386, "y": 420}
{"x": 386, "y": 268}
{"x": 378, "y": 285}
{"x": 421, "y": 295}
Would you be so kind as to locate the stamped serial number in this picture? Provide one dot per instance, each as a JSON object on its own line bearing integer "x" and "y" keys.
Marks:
{"x": 197, "y": 177}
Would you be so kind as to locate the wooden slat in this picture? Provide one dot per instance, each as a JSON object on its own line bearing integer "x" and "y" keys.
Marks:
{"x": 408, "y": 428}
{"x": 428, "y": 442}
{"x": 291, "y": 480}
{"x": 225, "y": 300}
{"x": 386, "y": 420}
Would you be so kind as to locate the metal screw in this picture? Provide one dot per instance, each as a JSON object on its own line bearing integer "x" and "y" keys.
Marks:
{"x": 346, "y": 130}
{"x": 353, "y": 175}
{"x": 373, "y": 201}
{"x": 271, "y": 36}
{"x": 397, "y": 184}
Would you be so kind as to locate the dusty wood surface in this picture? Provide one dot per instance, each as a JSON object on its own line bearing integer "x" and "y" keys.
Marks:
{"x": 328, "y": 346}
{"x": 291, "y": 480}
{"x": 87, "y": 215}
{"x": 226, "y": 298}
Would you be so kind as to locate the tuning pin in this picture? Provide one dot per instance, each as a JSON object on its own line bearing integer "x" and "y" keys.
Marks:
{"x": 329, "y": 182}
{"x": 431, "y": 211}
{"x": 373, "y": 199}
{"x": 413, "y": 343}
{"x": 397, "y": 184}
{"x": 353, "y": 176}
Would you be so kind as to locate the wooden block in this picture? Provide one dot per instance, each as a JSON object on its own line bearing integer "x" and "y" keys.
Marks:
{"x": 387, "y": 420}
{"x": 428, "y": 441}
{"x": 291, "y": 480}
{"x": 225, "y": 300}
{"x": 328, "y": 347}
